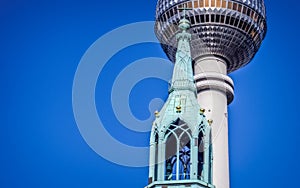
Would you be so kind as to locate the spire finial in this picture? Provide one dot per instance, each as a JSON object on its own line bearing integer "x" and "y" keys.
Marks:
{"x": 184, "y": 24}
{"x": 184, "y": 8}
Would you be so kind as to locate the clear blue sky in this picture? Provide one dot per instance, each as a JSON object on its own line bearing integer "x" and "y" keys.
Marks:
{"x": 41, "y": 45}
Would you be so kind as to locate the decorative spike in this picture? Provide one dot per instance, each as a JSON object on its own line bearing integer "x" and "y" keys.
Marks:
{"x": 202, "y": 111}
{"x": 156, "y": 113}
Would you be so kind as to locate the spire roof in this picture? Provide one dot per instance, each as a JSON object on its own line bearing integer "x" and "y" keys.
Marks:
{"x": 183, "y": 78}
{"x": 182, "y": 101}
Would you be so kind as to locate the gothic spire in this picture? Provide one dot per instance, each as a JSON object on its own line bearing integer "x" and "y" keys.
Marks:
{"x": 183, "y": 78}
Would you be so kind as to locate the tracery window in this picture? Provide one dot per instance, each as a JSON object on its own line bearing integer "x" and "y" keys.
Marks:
{"x": 178, "y": 151}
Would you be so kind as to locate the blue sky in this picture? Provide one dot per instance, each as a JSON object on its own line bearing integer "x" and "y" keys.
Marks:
{"x": 42, "y": 43}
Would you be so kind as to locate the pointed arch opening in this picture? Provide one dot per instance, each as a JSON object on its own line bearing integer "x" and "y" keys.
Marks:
{"x": 201, "y": 148}
{"x": 178, "y": 151}
{"x": 204, "y": 167}
{"x": 156, "y": 158}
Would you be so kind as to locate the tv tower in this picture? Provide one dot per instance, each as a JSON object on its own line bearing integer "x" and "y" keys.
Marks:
{"x": 206, "y": 39}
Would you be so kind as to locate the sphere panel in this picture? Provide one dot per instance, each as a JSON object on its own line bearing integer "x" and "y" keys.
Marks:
{"x": 233, "y": 30}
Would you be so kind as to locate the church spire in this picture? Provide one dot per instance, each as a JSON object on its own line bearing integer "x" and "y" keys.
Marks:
{"x": 180, "y": 143}
{"x": 183, "y": 78}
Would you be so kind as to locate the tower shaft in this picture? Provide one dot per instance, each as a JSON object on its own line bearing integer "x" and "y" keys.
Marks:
{"x": 215, "y": 91}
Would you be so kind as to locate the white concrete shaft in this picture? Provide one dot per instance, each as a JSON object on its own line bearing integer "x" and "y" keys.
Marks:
{"x": 215, "y": 103}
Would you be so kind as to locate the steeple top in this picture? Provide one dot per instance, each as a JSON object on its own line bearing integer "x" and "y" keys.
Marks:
{"x": 184, "y": 24}
{"x": 183, "y": 77}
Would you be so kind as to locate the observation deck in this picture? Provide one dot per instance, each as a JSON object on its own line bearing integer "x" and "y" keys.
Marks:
{"x": 229, "y": 29}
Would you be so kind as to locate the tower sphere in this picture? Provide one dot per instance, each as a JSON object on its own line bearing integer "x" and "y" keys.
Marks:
{"x": 230, "y": 29}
